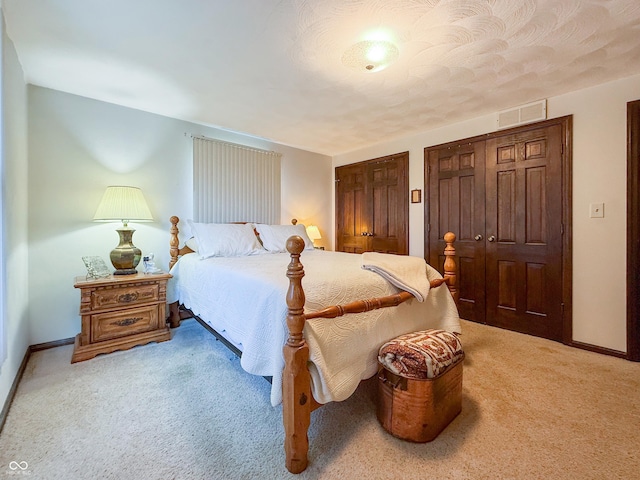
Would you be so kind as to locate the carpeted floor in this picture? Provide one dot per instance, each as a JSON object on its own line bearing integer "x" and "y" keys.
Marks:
{"x": 184, "y": 409}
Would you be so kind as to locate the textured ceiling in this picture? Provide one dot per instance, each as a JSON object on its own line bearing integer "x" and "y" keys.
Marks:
{"x": 272, "y": 68}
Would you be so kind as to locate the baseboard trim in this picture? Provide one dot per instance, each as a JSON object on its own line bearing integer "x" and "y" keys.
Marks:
{"x": 14, "y": 387}
{"x": 57, "y": 343}
{"x": 23, "y": 366}
{"x": 601, "y": 350}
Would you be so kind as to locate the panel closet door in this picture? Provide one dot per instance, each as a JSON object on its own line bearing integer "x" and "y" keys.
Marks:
{"x": 502, "y": 196}
{"x": 372, "y": 206}
{"x": 524, "y": 228}
{"x": 351, "y": 209}
{"x": 457, "y": 202}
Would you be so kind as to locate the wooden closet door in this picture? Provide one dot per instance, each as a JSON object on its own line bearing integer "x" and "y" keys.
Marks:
{"x": 388, "y": 184}
{"x": 351, "y": 209}
{"x": 524, "y": 232}
{"x": 507, "y": 197}
{"x": 455, "y": 175}
{"x": 372, "y": 206}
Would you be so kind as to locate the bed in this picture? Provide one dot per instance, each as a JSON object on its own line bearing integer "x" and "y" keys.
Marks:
{"x": 302, "y": 339}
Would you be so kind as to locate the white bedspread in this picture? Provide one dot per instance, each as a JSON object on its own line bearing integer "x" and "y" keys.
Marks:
{"x": 243, "y": 298}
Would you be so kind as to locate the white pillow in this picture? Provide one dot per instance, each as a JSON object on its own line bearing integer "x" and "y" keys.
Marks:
{"x": 225, "y": 239}
{"x": 191, "y": 243}
{"x": 274, "y": 237}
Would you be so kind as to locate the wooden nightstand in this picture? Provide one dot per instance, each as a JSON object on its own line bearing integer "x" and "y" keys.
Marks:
{"x": 120, "y": 312}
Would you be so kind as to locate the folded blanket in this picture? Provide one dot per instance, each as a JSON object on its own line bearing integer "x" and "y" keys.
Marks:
{"x": 405, "y": 272}
{"x": 424, "y": 354}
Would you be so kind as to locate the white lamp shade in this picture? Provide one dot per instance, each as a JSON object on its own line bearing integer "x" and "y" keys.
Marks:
{"x": 123, "y": 204}
{"x": 313, "y": 233}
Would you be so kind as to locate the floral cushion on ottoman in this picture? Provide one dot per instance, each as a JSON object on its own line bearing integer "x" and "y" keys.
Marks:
{"x": 424, "y": 354}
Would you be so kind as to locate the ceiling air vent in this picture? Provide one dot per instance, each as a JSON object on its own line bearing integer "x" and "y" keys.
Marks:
{"x": 531, "y": 112}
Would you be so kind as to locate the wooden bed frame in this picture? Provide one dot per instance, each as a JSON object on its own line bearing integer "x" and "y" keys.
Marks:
{"x": 297, "y": 400}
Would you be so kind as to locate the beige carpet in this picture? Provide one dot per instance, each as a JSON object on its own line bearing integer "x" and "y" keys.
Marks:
{"x": 532, "y": 409}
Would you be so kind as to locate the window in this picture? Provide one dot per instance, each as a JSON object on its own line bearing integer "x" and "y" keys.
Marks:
{"x": 235, "y": 183}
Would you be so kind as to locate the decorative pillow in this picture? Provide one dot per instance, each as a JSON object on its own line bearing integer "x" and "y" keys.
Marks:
{"x": 274, "y": 237}
{"x": 425, "y": 354}
{"x": 225, "y": 239}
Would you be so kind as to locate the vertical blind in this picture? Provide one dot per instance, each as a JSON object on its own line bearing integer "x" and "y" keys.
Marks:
{"x": 235, "y": 183}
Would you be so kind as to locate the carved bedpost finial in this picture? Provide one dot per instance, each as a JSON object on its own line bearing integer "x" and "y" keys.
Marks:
{"x": 173, "y": 241}
{"x": 296, "y": 382}
{"x": 449, "y": 239}
{"x": 450, "y": 266}
{"x": 295, "y": 245}
{"x": 295, "y": 294}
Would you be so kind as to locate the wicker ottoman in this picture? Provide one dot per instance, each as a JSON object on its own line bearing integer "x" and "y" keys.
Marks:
{"x": 419, "y": 384}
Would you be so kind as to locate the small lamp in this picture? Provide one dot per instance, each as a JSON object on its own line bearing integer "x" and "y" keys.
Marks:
{"x": 124, "y": 204}
{"x": 313, "y": 233}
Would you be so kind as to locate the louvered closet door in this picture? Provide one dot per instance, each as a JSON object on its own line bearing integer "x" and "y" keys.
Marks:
{"x": 524, "y": 232}
{"x": 456, "y": 200}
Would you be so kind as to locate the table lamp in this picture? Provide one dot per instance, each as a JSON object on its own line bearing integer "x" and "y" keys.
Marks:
{"x": 313, "y": 233}
{"x": 124, "y": 204}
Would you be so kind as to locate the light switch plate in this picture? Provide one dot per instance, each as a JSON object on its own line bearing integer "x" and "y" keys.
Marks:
{"x": 596, "y": 210}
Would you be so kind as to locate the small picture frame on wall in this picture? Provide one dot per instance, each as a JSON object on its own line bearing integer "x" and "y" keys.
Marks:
{"x": 96, "y": 268}
{"x": 416, "y": 195}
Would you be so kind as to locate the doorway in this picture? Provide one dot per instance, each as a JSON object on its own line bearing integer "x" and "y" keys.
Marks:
{"x": 507, "y": 196}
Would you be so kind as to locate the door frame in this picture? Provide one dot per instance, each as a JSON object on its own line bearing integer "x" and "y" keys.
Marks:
{"x": 566, "y": 125}
{"x": 633, "y": 231}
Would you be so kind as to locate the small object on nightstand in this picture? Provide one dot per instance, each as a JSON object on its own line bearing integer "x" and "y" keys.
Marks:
{"x": 120, "y": 312}
{"x": 319, "y": 248}
{"x": 96, "y": 268}
{"x": 150, "y": 265}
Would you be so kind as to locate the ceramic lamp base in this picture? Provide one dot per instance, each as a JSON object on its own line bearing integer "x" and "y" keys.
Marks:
{"x": 126, "y": 256}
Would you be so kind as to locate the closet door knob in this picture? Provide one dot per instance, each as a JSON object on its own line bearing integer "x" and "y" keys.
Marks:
{"x": 477, "y": 238}
{"x": 492, "y": 238}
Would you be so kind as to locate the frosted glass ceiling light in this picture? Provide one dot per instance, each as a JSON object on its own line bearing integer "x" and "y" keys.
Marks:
{"x": 370, "y": 55}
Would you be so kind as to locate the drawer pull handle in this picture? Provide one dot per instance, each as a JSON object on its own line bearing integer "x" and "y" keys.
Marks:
{"x": 128, "y": 297}
{"x": 127, "y": 321}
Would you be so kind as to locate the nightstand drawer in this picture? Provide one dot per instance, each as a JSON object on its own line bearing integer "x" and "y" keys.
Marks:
{"x": 106, "y": 326}
{"x": 123, "y": 296}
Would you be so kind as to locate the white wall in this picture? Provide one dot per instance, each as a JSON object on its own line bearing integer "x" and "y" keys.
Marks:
{"x": 78, "y": 146}
{"x": 15, "y": 212}
{"x": 599, "y": 175}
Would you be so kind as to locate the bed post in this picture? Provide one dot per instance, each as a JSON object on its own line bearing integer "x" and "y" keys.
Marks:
{"x": 174, "y": 310}
{"x": 296, "y": 382}
{"x": 450, "y": 266}
{"x": 173, "y": 241}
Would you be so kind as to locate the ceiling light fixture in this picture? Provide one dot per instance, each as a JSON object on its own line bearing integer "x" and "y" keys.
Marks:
{"x": 370, "y": 55}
